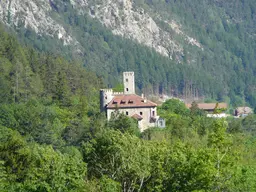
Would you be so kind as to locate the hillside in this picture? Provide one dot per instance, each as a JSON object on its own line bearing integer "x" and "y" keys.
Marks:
{"x": 54, "y": 138}
{"x": 189, "y": 49}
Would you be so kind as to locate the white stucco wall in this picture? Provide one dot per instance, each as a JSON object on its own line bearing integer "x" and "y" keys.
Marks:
{"x": 147, "y": 113}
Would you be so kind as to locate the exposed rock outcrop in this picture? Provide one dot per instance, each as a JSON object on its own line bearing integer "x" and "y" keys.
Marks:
{"x": 121, "y": 16}
{"x": 132, "y": 22}
{"x": 33, "y": 14}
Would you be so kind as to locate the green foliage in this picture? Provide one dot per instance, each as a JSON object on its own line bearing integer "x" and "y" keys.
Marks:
{"x": 218, "y": 110}
{"x": 220, "y": 144}
{"x": 249, "y": 124}
{"x": 128, "y": 160}
{"x": 27, "y": 164}
{"x": 194, "y": 110}
{"x": 191, "y": 170}
{"x": 53, "y": 138}
{"x": 174, "y": 106}
{"x": 245, "y": 179}
{"x": 119, "y": 88}
{"x": 234, "y": 126}
{"x": 3, "y": 177}
{"x": 246, "y": 125}
{"x": 182, "y": 122}
{"x": 109, "y": 185}
{"x": 123, "y": 123}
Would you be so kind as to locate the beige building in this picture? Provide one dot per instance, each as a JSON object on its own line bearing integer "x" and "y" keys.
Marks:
{"x": 130, "y": 104}
{"x": 209, "y": 107}
{"x": 243, "y": 111}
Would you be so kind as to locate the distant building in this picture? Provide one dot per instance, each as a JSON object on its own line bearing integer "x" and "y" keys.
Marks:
{"x": 130, "y": 104}
{"x": 210, "y": 107}
{"x": 220, "y": 115}
{"x": 243, "y": 111}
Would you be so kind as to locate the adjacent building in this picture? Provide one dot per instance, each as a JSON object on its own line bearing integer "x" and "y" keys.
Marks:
{"x": 130, "y": 104}
{"x": 243, "y": 111}
{"x": 210, "y": 107}
{"x": 214, "y": 110}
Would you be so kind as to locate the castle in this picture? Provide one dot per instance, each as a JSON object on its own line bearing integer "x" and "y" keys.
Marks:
{"x": 130, "y": 104}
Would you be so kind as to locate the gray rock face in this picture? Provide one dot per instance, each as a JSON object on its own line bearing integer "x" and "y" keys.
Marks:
{"x": 33, "y": 14}
{"x": 121, "y": 16}
{"x": 125, "y": 20}
{"x": 134, "y": 23}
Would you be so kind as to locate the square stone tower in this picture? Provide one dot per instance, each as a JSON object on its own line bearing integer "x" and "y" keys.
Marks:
{"x": 129, "y": 83}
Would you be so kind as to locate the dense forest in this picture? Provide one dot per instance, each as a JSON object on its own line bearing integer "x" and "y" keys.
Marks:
{"x": 53, "y": 137}
{"x": 223, "y": 70}
{"x": 227, "y": 32}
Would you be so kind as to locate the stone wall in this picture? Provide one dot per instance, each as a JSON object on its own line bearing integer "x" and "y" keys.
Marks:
{"x": 145, "y": 113}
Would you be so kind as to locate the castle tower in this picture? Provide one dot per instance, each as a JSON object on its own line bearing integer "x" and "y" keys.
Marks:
{"x": 106, "y": 95}
{"x": 129, "y": 84}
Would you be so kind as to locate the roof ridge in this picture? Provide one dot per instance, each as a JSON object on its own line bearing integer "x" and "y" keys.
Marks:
{"x": 137, "y": 101}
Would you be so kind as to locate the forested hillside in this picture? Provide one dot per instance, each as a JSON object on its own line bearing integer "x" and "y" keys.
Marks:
{"x": 53, "y": 138}
{"x": 227, "y": 32}
{"x": 109, "y": 55}
{"x": 210, "y": 45}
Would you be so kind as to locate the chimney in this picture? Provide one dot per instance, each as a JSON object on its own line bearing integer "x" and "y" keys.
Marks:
{"x": 142, "y": 96}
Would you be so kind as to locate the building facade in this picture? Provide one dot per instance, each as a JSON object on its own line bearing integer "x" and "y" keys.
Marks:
{"x": 209, "y": 107}
{"x": 130, "y": 104}
{"x": 243, "y": 111}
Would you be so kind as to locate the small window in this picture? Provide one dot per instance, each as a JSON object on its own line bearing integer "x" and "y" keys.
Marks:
{"x": 141, "y": 113}
{"x": 127, "y": 89}
{"x": 126, "y": 80}
{"x": 127, "y": 113}
{"x": 153, "y": 113}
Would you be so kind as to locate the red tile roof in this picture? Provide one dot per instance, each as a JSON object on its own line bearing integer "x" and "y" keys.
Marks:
{"x": 209, "y": 106}
{"x": 129, "y": 101}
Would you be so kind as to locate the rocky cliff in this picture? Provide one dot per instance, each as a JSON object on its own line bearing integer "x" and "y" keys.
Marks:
{"x": 33, "y": 14}
{"x": 121, "y": 16}
{"x": 130, "y": 21}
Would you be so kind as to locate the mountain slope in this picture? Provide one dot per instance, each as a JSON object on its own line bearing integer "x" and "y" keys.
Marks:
{"x": 33, "y": 15}
{"x": 122, "y": 17}
{"x": 184, "y": 48}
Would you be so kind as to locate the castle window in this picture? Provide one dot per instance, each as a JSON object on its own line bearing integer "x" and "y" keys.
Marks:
{"x": 153, "y": 113}
{"x": 126, "y": 80}
{"x": 127, "y": 89}
{"x": 127, "y": 113}
{"x": 141, "y": 113}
